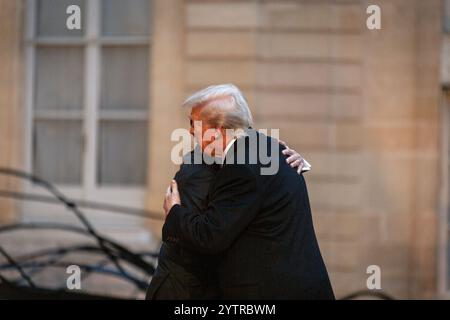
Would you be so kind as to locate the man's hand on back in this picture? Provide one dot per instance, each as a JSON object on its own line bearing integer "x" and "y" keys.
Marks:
{"x": 294, "y": 159}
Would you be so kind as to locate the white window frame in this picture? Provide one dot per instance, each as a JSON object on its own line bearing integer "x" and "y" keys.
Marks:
{"x": 89, "y": 190}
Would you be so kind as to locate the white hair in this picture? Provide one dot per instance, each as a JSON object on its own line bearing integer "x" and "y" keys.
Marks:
{"x": 223, "y": 106}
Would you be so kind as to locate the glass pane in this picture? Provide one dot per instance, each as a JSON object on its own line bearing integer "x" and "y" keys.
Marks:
{"x": 124, "y": 78}
{"x": 57, "y": 151}
{"x": 52, "y": 17}
{"x": 59, "y": 78}
{"x": 125, "y": 18}
{"x": 122, "y": 156}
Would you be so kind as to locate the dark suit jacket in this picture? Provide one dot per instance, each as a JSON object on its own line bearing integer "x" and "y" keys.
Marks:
{"x": 261, "y": 227}
{"x": 181, "y": 273}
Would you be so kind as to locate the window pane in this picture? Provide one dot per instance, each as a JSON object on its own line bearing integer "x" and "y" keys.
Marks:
{"x": 122, "y": 156}
{"x": 59, "y": 78}
{"x": 124, "y": 78}
{"x": 52, "y": 16}
{"x": 125, "y": 18}
{"x": 57, "y": 150}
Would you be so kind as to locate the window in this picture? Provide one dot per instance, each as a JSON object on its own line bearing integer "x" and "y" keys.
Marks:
{"x": 88, "y": 97}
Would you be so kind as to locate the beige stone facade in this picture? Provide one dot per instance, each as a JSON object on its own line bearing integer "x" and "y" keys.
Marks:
{"x": 363, "y": 106}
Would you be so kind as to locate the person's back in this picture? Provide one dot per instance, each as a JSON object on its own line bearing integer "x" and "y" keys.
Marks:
{"x": 258, "y": 226}
{"x": 181, "y": 273}
{"x": 277, "y": 256}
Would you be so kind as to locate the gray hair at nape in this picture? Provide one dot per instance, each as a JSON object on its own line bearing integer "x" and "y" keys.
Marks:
{"x": 223, "y": 105}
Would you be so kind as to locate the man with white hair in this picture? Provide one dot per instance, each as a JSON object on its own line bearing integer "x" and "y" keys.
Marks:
{"x": 257, "y": 228}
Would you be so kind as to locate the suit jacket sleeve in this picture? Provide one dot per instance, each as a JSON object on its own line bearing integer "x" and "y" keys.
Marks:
{"x": 233, "y": 204}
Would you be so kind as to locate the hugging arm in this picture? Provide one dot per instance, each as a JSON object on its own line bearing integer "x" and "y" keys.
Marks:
{"x": 233, "y": 205}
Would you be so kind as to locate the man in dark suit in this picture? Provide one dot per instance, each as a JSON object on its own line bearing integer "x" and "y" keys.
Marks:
{"x": 258, "y": 226}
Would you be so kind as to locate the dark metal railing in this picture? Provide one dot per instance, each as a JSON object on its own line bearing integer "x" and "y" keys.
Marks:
{"x": 114, "y": 254}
